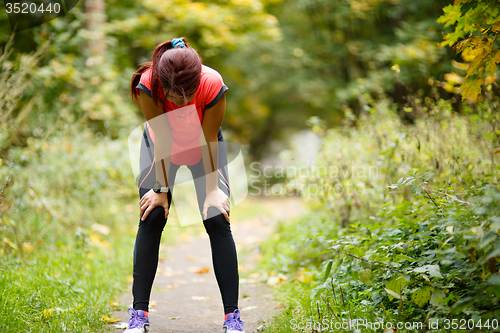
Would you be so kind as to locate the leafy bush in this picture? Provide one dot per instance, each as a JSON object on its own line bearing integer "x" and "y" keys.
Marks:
{"x": 415, "y": 239}
{"x": 65, "y": 242}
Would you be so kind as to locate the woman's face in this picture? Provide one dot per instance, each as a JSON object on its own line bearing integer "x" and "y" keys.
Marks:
{"x": 178, "y": 99}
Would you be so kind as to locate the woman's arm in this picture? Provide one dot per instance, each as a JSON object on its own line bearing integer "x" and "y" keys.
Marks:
{"x": 209, "y": 144}
{"x": 162, "y": 148}
{"x": 163, "y": 136}
{"x": 212, "y": 121}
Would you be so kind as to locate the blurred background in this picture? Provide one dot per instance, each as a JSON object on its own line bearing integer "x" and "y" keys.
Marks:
{"x": 284, "y": 61}
{"x": 370, "y": 83}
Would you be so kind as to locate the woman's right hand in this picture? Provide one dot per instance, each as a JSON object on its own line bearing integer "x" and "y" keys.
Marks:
{"x": 151, "y": 200}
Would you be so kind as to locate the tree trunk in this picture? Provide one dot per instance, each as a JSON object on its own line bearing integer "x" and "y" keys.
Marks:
{"x": 95, "y": 17}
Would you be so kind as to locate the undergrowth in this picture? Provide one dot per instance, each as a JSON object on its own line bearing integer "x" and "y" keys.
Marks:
{"x": 402, "y": 230}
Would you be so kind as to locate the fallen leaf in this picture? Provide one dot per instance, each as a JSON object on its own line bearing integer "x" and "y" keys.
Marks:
{"x": 304, "y": 276}
{"x": 108, "y": 319}
{"x": 248, "y": 308}
{"x": 274, "y": 280}
{"x": 202, "y": 270}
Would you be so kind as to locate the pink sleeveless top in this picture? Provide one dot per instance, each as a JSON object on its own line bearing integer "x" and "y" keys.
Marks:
{"x": 185, "y": 121}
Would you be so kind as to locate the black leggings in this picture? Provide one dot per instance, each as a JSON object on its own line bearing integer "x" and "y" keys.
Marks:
{"x": 148, "y": 238}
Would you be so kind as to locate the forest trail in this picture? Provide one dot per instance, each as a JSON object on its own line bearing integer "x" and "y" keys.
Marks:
{"x": 185, "y": 296}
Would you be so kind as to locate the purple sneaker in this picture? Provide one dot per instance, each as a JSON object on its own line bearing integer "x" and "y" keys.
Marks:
{"x": 138, "y": 322}
{"x": 233, "y": 323}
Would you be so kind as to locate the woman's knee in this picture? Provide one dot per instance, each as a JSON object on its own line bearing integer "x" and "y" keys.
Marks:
{"x": 216, "y": 223}
{"x": 155, "y": 221}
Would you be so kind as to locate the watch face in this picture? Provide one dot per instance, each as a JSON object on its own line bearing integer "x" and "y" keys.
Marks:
{"x": 156, "y": 187}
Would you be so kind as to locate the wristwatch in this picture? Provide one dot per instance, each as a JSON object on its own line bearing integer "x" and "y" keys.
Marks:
{"x": 157, "y": 188}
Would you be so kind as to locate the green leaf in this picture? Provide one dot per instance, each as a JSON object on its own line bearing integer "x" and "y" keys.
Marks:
{"x": 364, "y": 276}
{"x": 328, "y": 269}
{"x": 432, "y": 270}
{"x": 494, "y": 253}
{"x": 487, "y": 238}
{"x": 494, "y": 279}
{"x": 396, "y": 285}
{"x": 422, "y": 296}
{"x": 393, "y": 295}
{"x": 437, "y": 297}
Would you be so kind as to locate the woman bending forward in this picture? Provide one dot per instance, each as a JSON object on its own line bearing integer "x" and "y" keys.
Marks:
{"x": 184, "y": 104}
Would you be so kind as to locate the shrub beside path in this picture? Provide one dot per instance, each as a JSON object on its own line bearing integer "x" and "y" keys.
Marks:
{"x": 185, "y": 296}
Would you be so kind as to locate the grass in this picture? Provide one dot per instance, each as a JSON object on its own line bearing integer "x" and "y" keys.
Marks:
{"x": 65, "y": 291}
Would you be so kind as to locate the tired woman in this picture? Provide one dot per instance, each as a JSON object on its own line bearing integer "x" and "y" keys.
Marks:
{"x": 183, "y": 102}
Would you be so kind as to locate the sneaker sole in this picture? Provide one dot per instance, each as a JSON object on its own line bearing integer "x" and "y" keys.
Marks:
{"x": 145, "y": 329}
{"x": 226, "y": 331}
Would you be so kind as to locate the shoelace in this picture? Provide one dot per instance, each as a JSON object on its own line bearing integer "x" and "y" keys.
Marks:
{"x": 135, "y": 320}
{"x": 233, "y": 321}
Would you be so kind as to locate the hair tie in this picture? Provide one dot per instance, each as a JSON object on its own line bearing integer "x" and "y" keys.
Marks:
{"x": 177, "y": 42}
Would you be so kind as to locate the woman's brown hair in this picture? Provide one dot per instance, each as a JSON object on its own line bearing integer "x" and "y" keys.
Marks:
{"x": 178, "y": 70}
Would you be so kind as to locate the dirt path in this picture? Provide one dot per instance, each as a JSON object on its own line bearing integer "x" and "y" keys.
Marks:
{"x": 185, "y": 296}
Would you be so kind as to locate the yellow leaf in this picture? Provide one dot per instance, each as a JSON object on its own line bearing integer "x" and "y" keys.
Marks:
{"x": 496, "y": 27}
{"x": 497, "y": 151}
{"x": 496, "y": 57}
{"x": 459, "y": 2}
{"x": 471, "y": 88}
{"x": 108, "y": 319}
{"x": 304, "y": 276}
{"x": 454, "y": 78}
{"x": 490, "y": 67}
{"x": 460, "y": 65}
{"x": 27, "y": 247}
{"x": 462, "y": 44}
{"x": 474, "y": 54}
{"x": 490, "y": 79}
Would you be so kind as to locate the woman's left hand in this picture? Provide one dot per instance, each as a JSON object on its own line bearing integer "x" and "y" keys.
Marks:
{"x": 219, "y": 200}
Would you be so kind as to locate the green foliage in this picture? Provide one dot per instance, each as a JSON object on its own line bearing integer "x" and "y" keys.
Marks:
{"x": 64, "y": 290}
{"x": 62, "y": 233}
{"x": 284, "y": 61}
{"x": 14, "y": 76}
{"x": 66, "y": 232}
{"x": 415, "y": 240}
{"x": 477, "y": 26}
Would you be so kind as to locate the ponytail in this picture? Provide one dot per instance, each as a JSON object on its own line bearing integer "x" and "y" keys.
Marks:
{"x": 154, "y": 65}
